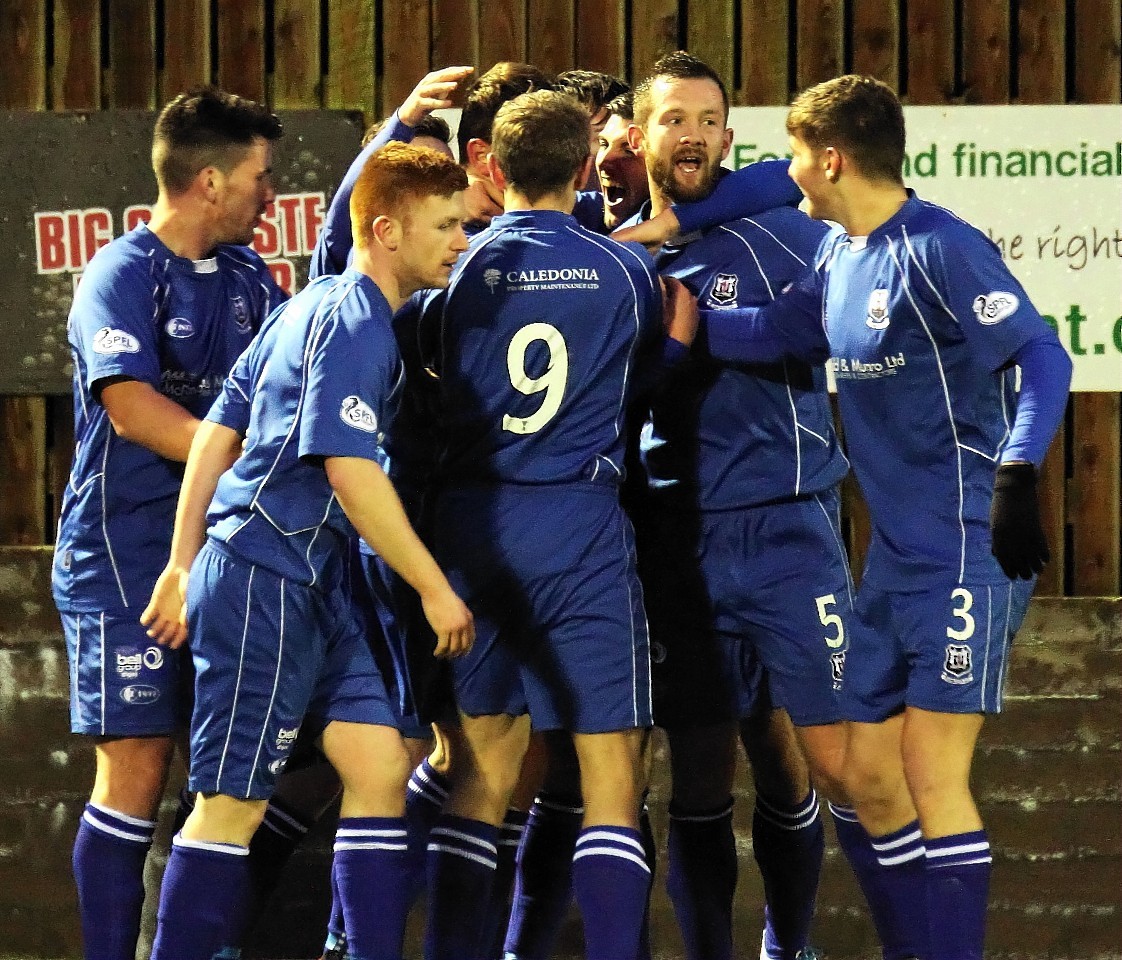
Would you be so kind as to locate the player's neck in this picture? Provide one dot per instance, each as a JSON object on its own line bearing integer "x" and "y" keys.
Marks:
{"x": 180, "y": 231}
{"x": 871, "y": 206}
{"x": 382, "y": 273}
{"x": 562, "y": 201}
{"x": 659, "y": 200}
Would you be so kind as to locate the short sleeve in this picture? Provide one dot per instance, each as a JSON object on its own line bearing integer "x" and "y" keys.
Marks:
{"x": 971, "y": 280}
{"x": 232, "y": 407}
{"x": 113, "y": 322}
{"x": 353, "y": 376}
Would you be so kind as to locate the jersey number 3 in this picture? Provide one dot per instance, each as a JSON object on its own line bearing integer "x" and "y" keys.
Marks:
{"x": 552, "y": 381}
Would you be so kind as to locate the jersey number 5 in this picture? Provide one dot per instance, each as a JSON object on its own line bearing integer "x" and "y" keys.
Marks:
{"x": 552, "y": 381}
{"x": 830, "y": 620}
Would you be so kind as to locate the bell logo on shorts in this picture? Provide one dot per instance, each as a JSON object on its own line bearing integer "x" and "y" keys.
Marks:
{"x": 724, "y": 288}
{"x": 286, "y": 738}
{"x": 357, "y": 414}
{"x": 491, "y": 277}
{"x": 140, "y": 693}
{"x": 128, "y": 662}
{"x": 994, "y": 307}
{"x": 877, "y": 316}
{"x": 180, "y": 327}
{"x": 958, "y": 667}
{"x": 108, "y": 341}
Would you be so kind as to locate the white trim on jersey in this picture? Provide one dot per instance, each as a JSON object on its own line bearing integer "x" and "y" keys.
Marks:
{"x": 947, "y": 399}
{"x": 843, "y": 556}
{"x": 74, "y": 699}
{"x": 315, "y": 536}
{"x": 101, "y": 620}
{"x": 634, "y": 650}
{"x": 760, "y": 226}
{"x": 238, "y": 682}
{"x": 756, "y": 260}
{"x": 272, "y": 696}
{"x": 975, "y": 450}
{"x": 104, "y": 517}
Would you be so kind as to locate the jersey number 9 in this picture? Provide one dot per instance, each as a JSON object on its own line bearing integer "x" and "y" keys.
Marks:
{"x": 552, "y": 381}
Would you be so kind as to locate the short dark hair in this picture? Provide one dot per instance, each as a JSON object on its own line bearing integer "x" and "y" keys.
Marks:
{"x": 504, "y": 81}
{"x": 429, "y": 126}
{"x": 860, "y": 115}
{"x": 206, "y": 127}
{"x": 540, "y": 140}
{"x": 623, "y": 106}
{"x": 591, "y": 88}
{"x": 674, "y": 66}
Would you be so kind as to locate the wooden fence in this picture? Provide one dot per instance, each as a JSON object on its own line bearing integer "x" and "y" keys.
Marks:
{"x": 358, "y": 54}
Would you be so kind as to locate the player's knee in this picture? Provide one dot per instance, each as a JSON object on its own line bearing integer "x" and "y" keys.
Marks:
{"x": 218, "y": 818}
{"x": 131, "y": 774}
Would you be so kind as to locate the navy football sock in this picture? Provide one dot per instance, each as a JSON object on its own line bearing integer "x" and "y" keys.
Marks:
{"x": 789, "y": 843}
{"x": 336, "y": 929}
{"x": 109, "y": 854}
{"x": 898, "y": 939}
{"x": 612, "y": 881}
{"x": 701, "y": 878}
{"x": 371, "y": 855}
{"x": 424, "y": 799}
{"x": 462, "y": 856}
{"x": 202, "y": 900}
{"x": 272, "y": 844}
{"x": 499, "y": 906}
{"x": 958, "y": 879}
{"x": 543, "y": 886}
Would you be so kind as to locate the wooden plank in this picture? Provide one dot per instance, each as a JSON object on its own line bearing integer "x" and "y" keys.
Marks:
{"x": 1095, "y": 509}
{"x": 820, "y": 41}
{"x": 406, "y": 43}
{"x": 1040, "y": 53}
{"x": 764, "y": 55}
{"x": 23, "y": 55}
{"x": 654, "y": 31}
{"x": 1098, "y": 50}
{"x": 502, "y": 32}
{"x": 876, "y": 40}
{"x": 241, "y": 47}
{"x": 601, "y": 36}
{"x": 296, "y": 70}
{"x": 454, "y": 33}
{"x": 931, "y": 40}
{"x": 131, "y": 78}
{"x": 76, "y": 75}
{"x": 350, "y": 64}
{"x": 187, "y": 32}
{"x": 1051, "y": 492}
{"x": 551, "y": 44}
{"x": 23, "y": 481}
{"x": 985, "y": 51}
{"x": 712, "y": 37}
{"x": 60, "y": 453}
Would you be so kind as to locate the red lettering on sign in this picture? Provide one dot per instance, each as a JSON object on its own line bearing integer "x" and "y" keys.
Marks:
{"x": 284, "y": 273}
{"x": 266, "y": 238}
{"x": 313, "y": 219}
{"x": 97, "y": 231}
{"x": 135, "y": 215}
{"x": 290, "y": 223}
{"x": 74, "y": 239}
{"x": 50, "y": 243}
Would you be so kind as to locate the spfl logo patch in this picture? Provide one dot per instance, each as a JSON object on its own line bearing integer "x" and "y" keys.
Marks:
{"x": 109, "y": 341}
{"x": 877, "y": 316}
{"x": 724, "y": 288}
{"x": 357, "y": 414}
{"x": 958, "y": 667}
{"x": 994, "y": 307}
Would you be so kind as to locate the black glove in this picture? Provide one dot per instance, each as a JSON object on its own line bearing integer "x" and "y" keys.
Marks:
{"x": 1018, "y": 540}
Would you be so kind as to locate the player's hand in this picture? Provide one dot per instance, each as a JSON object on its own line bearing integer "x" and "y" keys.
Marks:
{"x": 679, "y": 311}
{"x": 1018, "y": 540}
{"x": 652, "y": 233}
{"x": 432, "y": 93}
{"x": 451, "y": 621}
{"x": 166, "y": 613}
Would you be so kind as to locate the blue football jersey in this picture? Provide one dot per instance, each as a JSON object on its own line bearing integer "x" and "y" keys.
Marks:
{"x": 724, "y": 436}
{"x": 922, "y": 319}
{"x": 144, "y": 314}
{"x": 542, "y": 328}
{"x": 320, "y": 381}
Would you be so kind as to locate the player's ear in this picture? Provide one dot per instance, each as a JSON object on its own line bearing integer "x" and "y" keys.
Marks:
{"x": 494, "y": 171}
{"x": 635, "y": 138}
{"x": 584, "y": 173}
{"x": 211, "y": 180}
{"x": 833, "y": 162}
{"x": 726, "y": 144}
{"x": 477, "y": 153}
{"x": 387, "y": 232}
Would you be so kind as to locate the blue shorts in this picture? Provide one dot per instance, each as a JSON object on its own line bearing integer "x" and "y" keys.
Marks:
{"x": 739, "y": 596}
{"x": 390, "y": 614}
{"x": 267, "y": 653}
{"x": 944, "y": 649}
{"x": 123, "y": 683}
{"x": 549, "y": 574}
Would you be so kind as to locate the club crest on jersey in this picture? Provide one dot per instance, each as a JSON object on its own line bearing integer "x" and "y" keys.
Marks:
{"x": 241, "y": 313}
{"x": 109, "y": 341}
{"x": 724, "y": 288}
{"x": 958, "y": 665}
{"x": 877, "y": 316}
{"x": 180, "y": 327}
{"x": 994, "y": 307}
{"x": 491, "y": 277}
{"x": 357, "y": 414}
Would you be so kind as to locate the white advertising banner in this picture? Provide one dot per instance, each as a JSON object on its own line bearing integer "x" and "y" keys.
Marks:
{"x": 1044, "y": 182}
